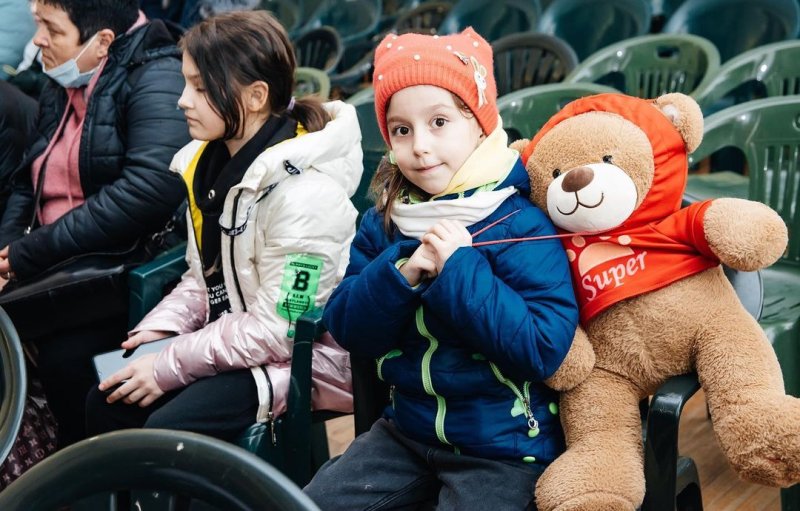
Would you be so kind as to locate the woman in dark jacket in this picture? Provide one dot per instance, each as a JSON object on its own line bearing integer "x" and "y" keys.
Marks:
{"x": 96, "y": 177}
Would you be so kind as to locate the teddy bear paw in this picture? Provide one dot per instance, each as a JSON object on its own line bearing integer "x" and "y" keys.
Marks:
{"x": 770, "y": 467}
{"x": 596, "y": 501}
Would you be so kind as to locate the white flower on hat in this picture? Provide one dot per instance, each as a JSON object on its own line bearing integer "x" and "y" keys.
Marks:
{"x": 479, "y": 76}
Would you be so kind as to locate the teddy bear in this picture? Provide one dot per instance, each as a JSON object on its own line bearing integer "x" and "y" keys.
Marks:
{"x": 610, "y": 171}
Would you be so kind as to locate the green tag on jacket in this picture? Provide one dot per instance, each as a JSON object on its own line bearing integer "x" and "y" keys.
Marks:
{"x": 301, "y": 275}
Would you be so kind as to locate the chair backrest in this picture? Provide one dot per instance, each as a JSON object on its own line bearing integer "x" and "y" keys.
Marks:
{"x": 526, "y": 110}
{"x": 664, "y": 8}
{"x": 311, "y": 81}
{"x": 423, "y": 19}
{"x": 735, "y": 26}
{"x": 354, "y": 20}
{"x": 193, "y": 467}
{"x": 767, "y": 131}
{"x": 528, "y": 59}
{"x": 320, "y": 48}
{"x": 588, "y": 25}
{"x": 767, "y": 71}
{"x": 307, "y": 10}
{"x": 14, "y": 383}
{"x": 492, "y": 19}
{"x": 651, "y": 65}
{"x": 285, "y": 11}
{"x": 398, "y": 7}
{"x": 371, "y": 143}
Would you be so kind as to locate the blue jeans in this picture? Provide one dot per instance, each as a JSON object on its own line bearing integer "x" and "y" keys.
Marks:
{"x": 383, "y": 469}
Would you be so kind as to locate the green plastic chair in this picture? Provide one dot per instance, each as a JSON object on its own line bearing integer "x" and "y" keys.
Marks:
{"x": 662, "y": 10}
{"x": 651, "y": 65}
{"x": 525, "y": 111}
{"x": 491, "y": 19}
{"x": 423, "y": 19}
{"x": 768, "y": 132}
{"x": 285, "y": 11}
{"x": 320, "y": 48}
{"x": 355, "y": 69}
{"x": 767, "y": 71}
{"x": 354, "y": 20}
{"x": 371, "y": 143}
{"x": 735, "y": 26}
{"x": 528, "y": 59}
{"x": 588, "y": 25}
{"x": 154, "y": 469}
{"x": 309, "y": 81}
{"x": 14, "y": 384}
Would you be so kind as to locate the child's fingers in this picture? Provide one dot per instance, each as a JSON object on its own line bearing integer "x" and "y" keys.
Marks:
{"x": 121, "y": 392}
{"x": 123, "y": 374}
{"x": 135, "y": 396}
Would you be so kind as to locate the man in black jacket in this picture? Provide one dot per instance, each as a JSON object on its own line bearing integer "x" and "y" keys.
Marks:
{"x": 95, "y": 177}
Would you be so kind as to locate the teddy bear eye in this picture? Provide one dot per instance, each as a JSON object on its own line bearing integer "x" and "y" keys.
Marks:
{"x": 607, "y": 159}
{"x": 556, "y": 173}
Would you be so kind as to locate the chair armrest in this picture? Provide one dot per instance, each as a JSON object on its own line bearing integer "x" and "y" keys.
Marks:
{"x": 661, "y": 441}
{"x": 13, "y": 384}
{"x": 298, "y": 405}
{"x": 147, "y": 283}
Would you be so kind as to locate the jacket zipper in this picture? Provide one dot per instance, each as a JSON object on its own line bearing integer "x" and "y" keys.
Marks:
{"x": 233, "y": 260}
{"x": 391, "y": 354}
{"x": 270, "y": 414}
{"x": 524, "y": 396}
{"x": 427, "y": 381}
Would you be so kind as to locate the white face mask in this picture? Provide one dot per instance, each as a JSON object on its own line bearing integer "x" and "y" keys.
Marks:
{"x": 68, "y": 75}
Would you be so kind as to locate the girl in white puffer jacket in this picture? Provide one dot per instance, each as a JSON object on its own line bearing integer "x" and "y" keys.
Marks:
{"x": 271, "y": 228}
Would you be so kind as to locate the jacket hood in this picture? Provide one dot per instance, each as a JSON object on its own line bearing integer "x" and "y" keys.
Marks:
{"x": 335, "y": 151}
{"x": 669, "y": 154}
{"x": 153, "y": 40}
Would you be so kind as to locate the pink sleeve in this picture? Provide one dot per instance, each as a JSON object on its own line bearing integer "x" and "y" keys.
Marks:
{"x": 182, "y": 311}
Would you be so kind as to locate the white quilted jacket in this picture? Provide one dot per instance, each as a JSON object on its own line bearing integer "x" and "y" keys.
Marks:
{"x": 307, "y": 213}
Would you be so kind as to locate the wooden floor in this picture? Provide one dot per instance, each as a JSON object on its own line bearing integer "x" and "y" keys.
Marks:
{"x": 722, "y": 490}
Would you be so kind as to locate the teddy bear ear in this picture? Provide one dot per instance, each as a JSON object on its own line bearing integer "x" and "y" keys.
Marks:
{"x": 519, "y": 145}
{"x": 684, "y": 113}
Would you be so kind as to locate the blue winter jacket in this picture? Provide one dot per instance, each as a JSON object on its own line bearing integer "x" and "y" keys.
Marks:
{"x": 465, "y": 353}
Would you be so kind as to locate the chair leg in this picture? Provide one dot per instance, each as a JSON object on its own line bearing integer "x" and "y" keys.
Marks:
{"x": 320, "y": 452}
{"x": 687, "y": 487}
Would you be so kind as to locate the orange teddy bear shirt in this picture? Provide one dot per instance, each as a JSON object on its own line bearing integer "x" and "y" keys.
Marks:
{"x": 624, "y": 263}
{"x": 659, "y": 243}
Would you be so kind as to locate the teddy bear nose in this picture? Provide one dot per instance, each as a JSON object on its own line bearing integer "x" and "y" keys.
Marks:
{"x": 576, "y": 179}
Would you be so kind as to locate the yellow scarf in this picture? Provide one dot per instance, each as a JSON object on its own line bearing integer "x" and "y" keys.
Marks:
{"x": 490, "y": 162}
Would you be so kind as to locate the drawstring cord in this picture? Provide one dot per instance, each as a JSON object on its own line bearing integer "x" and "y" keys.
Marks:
{"x": 515, "y": 240}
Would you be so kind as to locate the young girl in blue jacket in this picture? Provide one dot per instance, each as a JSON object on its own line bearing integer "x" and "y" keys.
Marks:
{"x": 463, "y": 331}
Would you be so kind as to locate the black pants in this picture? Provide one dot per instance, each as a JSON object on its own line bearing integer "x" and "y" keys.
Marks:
{"x": 222, "y": 406}
{"x": 384, "y": 470}
{"x": 64, "y": 361}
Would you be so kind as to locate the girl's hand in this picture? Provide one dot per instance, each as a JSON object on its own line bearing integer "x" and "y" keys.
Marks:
{"x": 144, "y": 337}
{"x": 419, "y": 266}
{"x": 138, "y": 383}
{"x": 445, "y": 238}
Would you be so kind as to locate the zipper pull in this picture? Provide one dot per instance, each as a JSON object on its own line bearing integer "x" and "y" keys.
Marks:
{"x": 271, "y": 420}
{"x": 533, "y": 424}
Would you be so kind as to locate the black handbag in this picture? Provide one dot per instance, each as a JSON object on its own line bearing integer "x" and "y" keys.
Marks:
{"x": 77, "y": 292}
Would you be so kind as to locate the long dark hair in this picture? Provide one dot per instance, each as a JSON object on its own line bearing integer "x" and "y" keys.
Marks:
{"x": 235, "y": 49}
